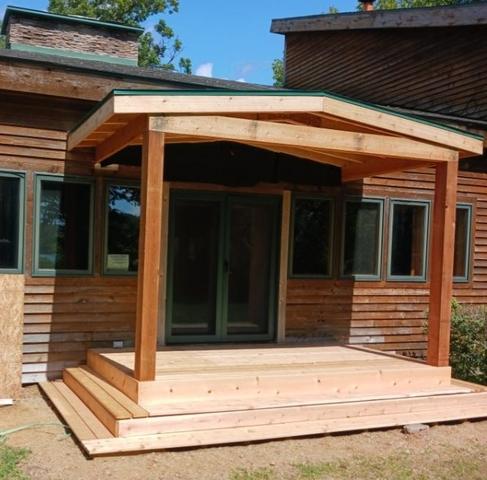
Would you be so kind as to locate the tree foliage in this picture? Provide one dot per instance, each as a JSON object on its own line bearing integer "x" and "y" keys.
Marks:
{"x": 391, "y": 4}
{"x": 160, "y": 48}
{"x": 278, "y": 72}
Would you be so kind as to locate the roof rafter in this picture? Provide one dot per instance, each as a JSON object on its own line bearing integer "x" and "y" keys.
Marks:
{"x": 251, "y": 131}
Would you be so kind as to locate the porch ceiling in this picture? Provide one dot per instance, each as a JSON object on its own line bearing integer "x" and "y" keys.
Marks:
{"x": 362, "y": 139}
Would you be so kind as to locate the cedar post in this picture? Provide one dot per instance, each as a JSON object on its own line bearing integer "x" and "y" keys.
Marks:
{"x": 149, "y": 255}
{"x": 441, "y": 278}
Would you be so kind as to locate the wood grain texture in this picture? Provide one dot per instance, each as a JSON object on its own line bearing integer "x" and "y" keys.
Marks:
{"x": 11, "y": 327}
{"x": 148, "y": 295}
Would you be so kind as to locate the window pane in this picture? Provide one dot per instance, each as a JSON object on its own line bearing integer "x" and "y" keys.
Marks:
{"x": 462, "y": 240}
{"x": 408, "y": 240}
{"x": 64, "y": 225}
{"x": 123, "y": 228}
{"x": 9, "y": 222}
{"x": 362, "y": 240}
{"x": 312, "y": 237}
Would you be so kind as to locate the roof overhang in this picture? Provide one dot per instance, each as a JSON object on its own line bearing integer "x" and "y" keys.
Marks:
{"x": 360, "y": 138}
{"x": 430, "y": 17}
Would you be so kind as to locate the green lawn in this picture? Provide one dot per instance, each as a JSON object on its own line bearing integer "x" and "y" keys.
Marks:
{"x": 10, "y": 459}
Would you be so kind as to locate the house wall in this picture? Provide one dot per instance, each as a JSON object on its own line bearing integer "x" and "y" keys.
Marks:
{"x": 63, "y": 316}
{"x": 389, "y": 315}
{"x": 437, "y": 70}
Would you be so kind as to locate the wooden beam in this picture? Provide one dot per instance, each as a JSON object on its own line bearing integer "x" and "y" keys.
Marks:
{"x": 441, "y": 263}
{"x": 147, "y": 311}
{"x": 283, "y": 266}
{"x": 251, "y": 131}
{"x": 214, "y": 104}
{"x": 121, "y": 138}
{"x": 379, "y": 166}
{"x": 101, "y": 115}
{"x": 402, "y": 125}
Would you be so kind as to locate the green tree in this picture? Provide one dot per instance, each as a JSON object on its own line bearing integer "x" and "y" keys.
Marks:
{"x": 278, "y": 72}
{"x": 159, "y": 49}
{"x": 391, "y": 4}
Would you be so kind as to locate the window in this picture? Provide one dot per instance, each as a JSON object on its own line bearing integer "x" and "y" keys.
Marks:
{"x": 408, "y": 240}
{"x": 312, "y": 237}
{"x": 362, "y": 239}
{"x": 122, "y": 229}
{"x": 63, "y": 226}
{"x": 463, "y": 232}
{"x": 11, "y": 222}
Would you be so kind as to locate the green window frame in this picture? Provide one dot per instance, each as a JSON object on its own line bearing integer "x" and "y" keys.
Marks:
{"x": 19, "y": 268}
{"x": 426, "y": 204}
{"x": 378, "y": 261}
{"x": 51, "y": 272}
{"x": 108, "y": 185}
{"x": 468, "y": 244}
{"x": 331, "y": 223}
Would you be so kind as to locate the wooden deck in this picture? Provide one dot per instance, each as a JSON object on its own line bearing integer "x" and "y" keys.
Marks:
{"x": 217, "y": 395}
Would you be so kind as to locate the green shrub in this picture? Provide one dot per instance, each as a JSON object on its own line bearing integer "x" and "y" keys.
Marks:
{"x": 468, "y": 353}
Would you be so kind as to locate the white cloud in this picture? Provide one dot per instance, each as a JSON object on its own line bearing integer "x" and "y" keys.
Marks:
{"x": 205, "y": 70}
{"x": 241, "y": 80}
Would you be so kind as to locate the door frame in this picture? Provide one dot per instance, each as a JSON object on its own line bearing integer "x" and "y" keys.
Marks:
{"x": 224, "y": 199}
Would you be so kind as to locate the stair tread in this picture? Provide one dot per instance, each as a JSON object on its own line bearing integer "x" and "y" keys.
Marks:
{"x": 84, "y": 424}
{"x": 182, "y": 406}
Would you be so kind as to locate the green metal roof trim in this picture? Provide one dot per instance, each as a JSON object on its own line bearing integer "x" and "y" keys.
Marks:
{"x": 288, "y": 93}
{"x": 66, "y": 18}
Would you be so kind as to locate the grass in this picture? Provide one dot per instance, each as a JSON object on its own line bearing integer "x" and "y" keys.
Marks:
{"x": 259, "y": 474}
{"x": 10, "y": 459}
{"x": 453, "y": 463}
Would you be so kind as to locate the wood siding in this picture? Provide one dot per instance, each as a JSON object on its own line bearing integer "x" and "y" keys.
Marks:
{"x": 389, "y": 315}
{"x": 63, "y": 316}
{"x": 66, "y": 315}
{"x": 439, "y": 70}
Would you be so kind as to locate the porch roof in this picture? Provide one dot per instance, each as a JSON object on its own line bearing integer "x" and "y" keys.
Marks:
{"x": 363, "y": 139}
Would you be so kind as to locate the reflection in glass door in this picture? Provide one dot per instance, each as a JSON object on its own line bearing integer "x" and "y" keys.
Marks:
{"x": 222, "y": 267}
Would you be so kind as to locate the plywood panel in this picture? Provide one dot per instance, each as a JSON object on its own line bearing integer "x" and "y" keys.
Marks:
{"x": 11, "y": 319}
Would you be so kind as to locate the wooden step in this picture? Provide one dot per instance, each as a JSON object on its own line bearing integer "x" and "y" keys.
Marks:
{"x": 81, "y": 420}
{"x": 107, "y": 403}
{"x": 292, "y": 414}
{"x": 222, "y": 386}
{"x": 358, "y": 416}
{"x": 188, "y": 406}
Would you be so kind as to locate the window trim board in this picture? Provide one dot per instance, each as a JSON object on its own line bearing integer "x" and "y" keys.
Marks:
{"x": 44, "y": 272}
{"x": 468, "y": 257}
{"x": 19, "y": 269}
{"x": 363, "y": 277}
{"x": 106, "y": 186}
{"x": 304, "y": 276}
{"x": 426, "y": 241}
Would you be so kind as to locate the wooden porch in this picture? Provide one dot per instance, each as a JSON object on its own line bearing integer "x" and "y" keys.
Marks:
{"x": 147, "y": 399}
{"x": 219, "y": 395}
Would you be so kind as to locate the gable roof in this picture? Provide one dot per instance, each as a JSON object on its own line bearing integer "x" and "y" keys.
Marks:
{"x": 430, "y": 17}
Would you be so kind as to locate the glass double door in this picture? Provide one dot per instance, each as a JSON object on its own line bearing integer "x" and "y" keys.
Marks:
{"x": 222, "y": 267}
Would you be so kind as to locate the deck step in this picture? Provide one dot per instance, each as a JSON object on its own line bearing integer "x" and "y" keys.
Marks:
{"x": 179, "y": 407}
{"x": 107, "y": 403}
{"x": 80, "y": 419}
{"x": 300, "y": 421}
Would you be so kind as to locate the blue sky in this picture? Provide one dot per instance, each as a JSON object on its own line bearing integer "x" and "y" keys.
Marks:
{"x": 230, "y": 39}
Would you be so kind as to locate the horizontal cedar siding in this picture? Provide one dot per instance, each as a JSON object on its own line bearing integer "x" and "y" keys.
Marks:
{"x": 439, "y": 70}
{"x": 389, "y": 315}
{"x": 63, "y": 316}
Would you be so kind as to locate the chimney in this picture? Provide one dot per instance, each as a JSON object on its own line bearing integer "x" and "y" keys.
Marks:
{"x": 367, "y": 5}
{"x": 84, "y": 38}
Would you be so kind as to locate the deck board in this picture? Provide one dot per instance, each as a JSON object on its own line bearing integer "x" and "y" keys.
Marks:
{"x": 212, "y": 395}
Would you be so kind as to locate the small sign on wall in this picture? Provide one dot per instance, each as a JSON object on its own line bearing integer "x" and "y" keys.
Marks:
{"x": 117, "y": 261}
